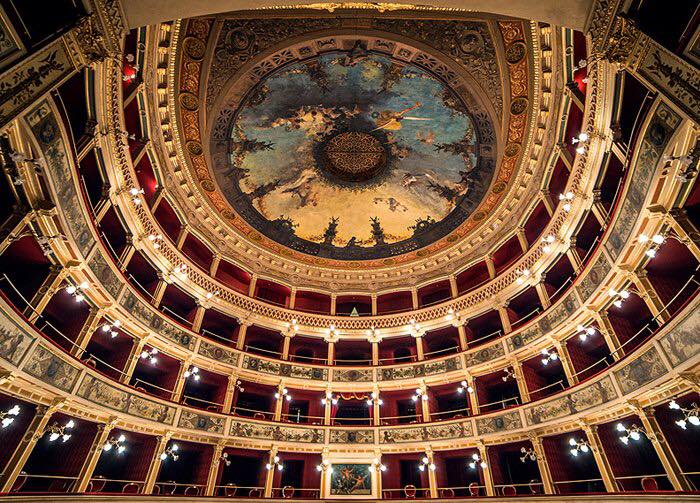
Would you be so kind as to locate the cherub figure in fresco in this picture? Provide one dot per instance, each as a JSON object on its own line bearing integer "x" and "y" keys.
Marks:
{"x": 357, "y": 54}
{"x": 390, "y": 120}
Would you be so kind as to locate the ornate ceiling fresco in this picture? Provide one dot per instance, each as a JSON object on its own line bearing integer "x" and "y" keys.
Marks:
{"x": 354, "y": 143}
{"x": 353, "y": 154}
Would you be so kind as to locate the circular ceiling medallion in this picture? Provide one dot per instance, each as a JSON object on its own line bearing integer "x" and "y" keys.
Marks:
{"x": 354, "y": 155}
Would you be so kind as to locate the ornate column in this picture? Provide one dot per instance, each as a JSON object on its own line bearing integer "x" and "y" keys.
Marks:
{"x": 606, "y": 472}
{"x": 230, "y": 392}
{"x": 419, "y": 347}
{"x": 522, "y": 239}
{"x": 453, "y": 286}
{"x": 505, "y": 319}
{"x": 270, "y": 475}
{"x": 89, "y": 327}
{"x": 565, "y": 358}
{"x": 424, "y": 406}
{"x": 46, "y": 291}
{"x": 160, "y": 290}
{"x": 542, "y": 293}
{"x": 279, "y": 402}
{"x": 651, "y": 298}
{"x": 490, "y": 266}
{"x": 242, "y": 329}
{"x": 608, "y": 332}
{"x": 253, "y": 283}
{"x": 286, "y": 341}
{"x": 598, "y": 210}
{"x": 327, "y": 408}
{"x": 520, "y": 380}
{"x": 376, "y": 409}
{"x": 93, "y": 456}
{"x": 687, "y": 233}
{"x": 472, "y": 397}
{"x": 182, "y": 236}
{"x": 331, "y": 351}
{"x": 199, "y": 315}
{"x": 375, "y": 353}
{"x": 334, "y": 303}
{"x": 432, "y": 476}
{"x": 674, "y": 472}
{"x": 463, "y": 343}
{"x": 374, "y": 303}
{"x": 414, "y": 297}
{"x": 573, "y": 256}
{"x": 488, "y": 477}
{"x": 214, "y": 467}
{"x": 126, "y": 254}
{"x": 134, "y": 356}
{"x": 181, "y": 381}
{"x": 34, "y": 432}
{"x": 542, "y": 464}
{"x": 293, "y": 297}
{"x": 214, "y": 266}
{"x": 546, "y": 199}
{"x": 154, "y": 466}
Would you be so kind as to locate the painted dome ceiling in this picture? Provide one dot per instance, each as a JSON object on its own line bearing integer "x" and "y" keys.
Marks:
{"x": 351, "y": 143}
{"x": 353, "y": 154}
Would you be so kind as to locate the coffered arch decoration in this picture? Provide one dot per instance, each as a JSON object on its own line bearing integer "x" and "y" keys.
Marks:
{"x": 467, "y": 73}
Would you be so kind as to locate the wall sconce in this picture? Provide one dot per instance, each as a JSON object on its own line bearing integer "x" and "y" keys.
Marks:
{"x": 224, "y": 459}
{"x": 156, "y": 239}
{"x": 112, "y": 328}
{"x": 330, "y": 397}
{"x": 374, "y": 397}
{"x": 136, "y": 195}
{"x": 7, "y": 418}
{"x": 522, "y": 276}
{"x": 325, "y": 466}
{"x": 510, "y": 374}
{"x": 115, "y": 443}
{"x": 584, "y": 332}
{"x": 464, "y": 386}
{"x": 549, "y": 356}
{"x": 579, "y": 445}
{"x": 566, "y": 199}
{"x": 192, "y": 372}
{"x": 619, "y": 297}
{"x": 547, "y": 243}
{"x": 150, "y": 355}
{"x": 275, "y": 464}
{"x": 691, "y": 415}
{"x": 415, "y": 328}
{"x": 211, "y": 295}
{"x": 528, "y": 454}
{"x": 332, "y": 331}
{"x": 477, "y": 461}
{"x": 285, "y": 394}
{"x": 376, "y": 464}
{"x": 55, "y": 431}
{"x": 580, "y": 141}
{"x": 425, "y": 463}
{"x": 634, "y": 432}
{"x": 657, "y": 240}
{"x": 420, "y": 394}
{"x": 239, "y": 385}
{"x": 179, "y": 271}
{"x": 170, "y": 452}
{"x": 78, "y": 291}
{"x": 293, "y": 325}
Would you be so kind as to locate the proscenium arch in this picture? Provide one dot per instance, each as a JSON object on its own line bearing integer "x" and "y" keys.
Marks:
{"x": 570, "y": 13}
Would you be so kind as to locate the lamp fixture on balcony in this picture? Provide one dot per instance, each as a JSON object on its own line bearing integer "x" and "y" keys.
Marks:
{"x": 332, "y": 331}
{"x": 55, "y": 431}
{"x": 691, "y": 415}
{"x": 150, "y": 355}
{"x": 656, "y": 241}
{"x": 377, "y": 465}
{"x": 8, "y": 417}
{"x": 275, "y": 464}
{"x": 566, "y": 199}
{"x": 239, "y": 385}
{"x": 580, "y": 141}
{"x": 619, "y": 297}
{"x": 547, "y": 243}
{"x": 192, "y": 372}
{"x": 156, "y": 239}
{"x": 170, "y": 452}
{"x": 329, "y": 398}
{"x": 528, "y": 454}
{"x": 374, "y": 397}
{"x": 634, "y": 432}
{"x": 510, "y": 374}
{"x": 584, "y": 332}
{"x": 549, "y": 356}
{"x": 78, "y": 291}
{"x": 579, "y": 445}
{"x": 425, "y": 463}
{"x": 115, "y": 443}
{"x": 293, "y": 325}
{"x": 211, "y": 295}
{"x": 415, "y": 328}
{"x": 522, "y": 276}
{"x": 325, "y": 465}
{"x": 464, "y": 386}
{"x": 136, "y": 195}
{"x": 179, "y": 271}
{"x": 111, "y": 328}
{"x": 224, "y": 459}
{"x": 420, "y": 395}
{"x": 284, "y": 394}
{"x": 477, "y": 461}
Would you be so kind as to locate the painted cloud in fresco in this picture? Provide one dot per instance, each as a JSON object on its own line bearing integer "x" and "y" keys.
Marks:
{"x": 352, "y": 137}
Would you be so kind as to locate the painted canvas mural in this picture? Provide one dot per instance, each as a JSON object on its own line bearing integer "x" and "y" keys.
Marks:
{"x": 350, "y": 151}
{"x": 351, "y": 480}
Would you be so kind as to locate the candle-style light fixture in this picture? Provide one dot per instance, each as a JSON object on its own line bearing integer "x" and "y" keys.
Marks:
{"x": 377, "y": 465}
{"x": 477, "y": 461}
{"x": 111, "y": 328}
{"x": 522, "y": 276}
{"x": 192, "y": 372}
{"x": 420, "y": 395}
{"x": 579, "y": 445}
{"x": 566, "y": 198}
{"x": 654, "y": 243}
{"x": 619, "y": 297}
{"x": 691, "y": 415}
{"x": 374, "y": 397}
{"x": 275, "y": 465}
{"x": 151, "y": 355}
{"x": 425, "y": 463}
{"x": 509, "y": 374}
{"x": 115, "y": 444}
{"x": 8, "y": 417}
{"x": 584, "y": 332}
{"x": 464, "y": 386}
{"x": 224, "y": 459}
{"x": 56, "y": 431}
{"x": 324, "y": 466}
{"x": 549, "y": 356}
{"x": 634, "y": 432}
{"x": 78, "y": 291}
{"x": 528, "y": 454}
{"x": 329, "y": 398}
{"x": 547, "y": 242}
{"x": 170, "y": 452}
{"x": 283, "y": 395}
